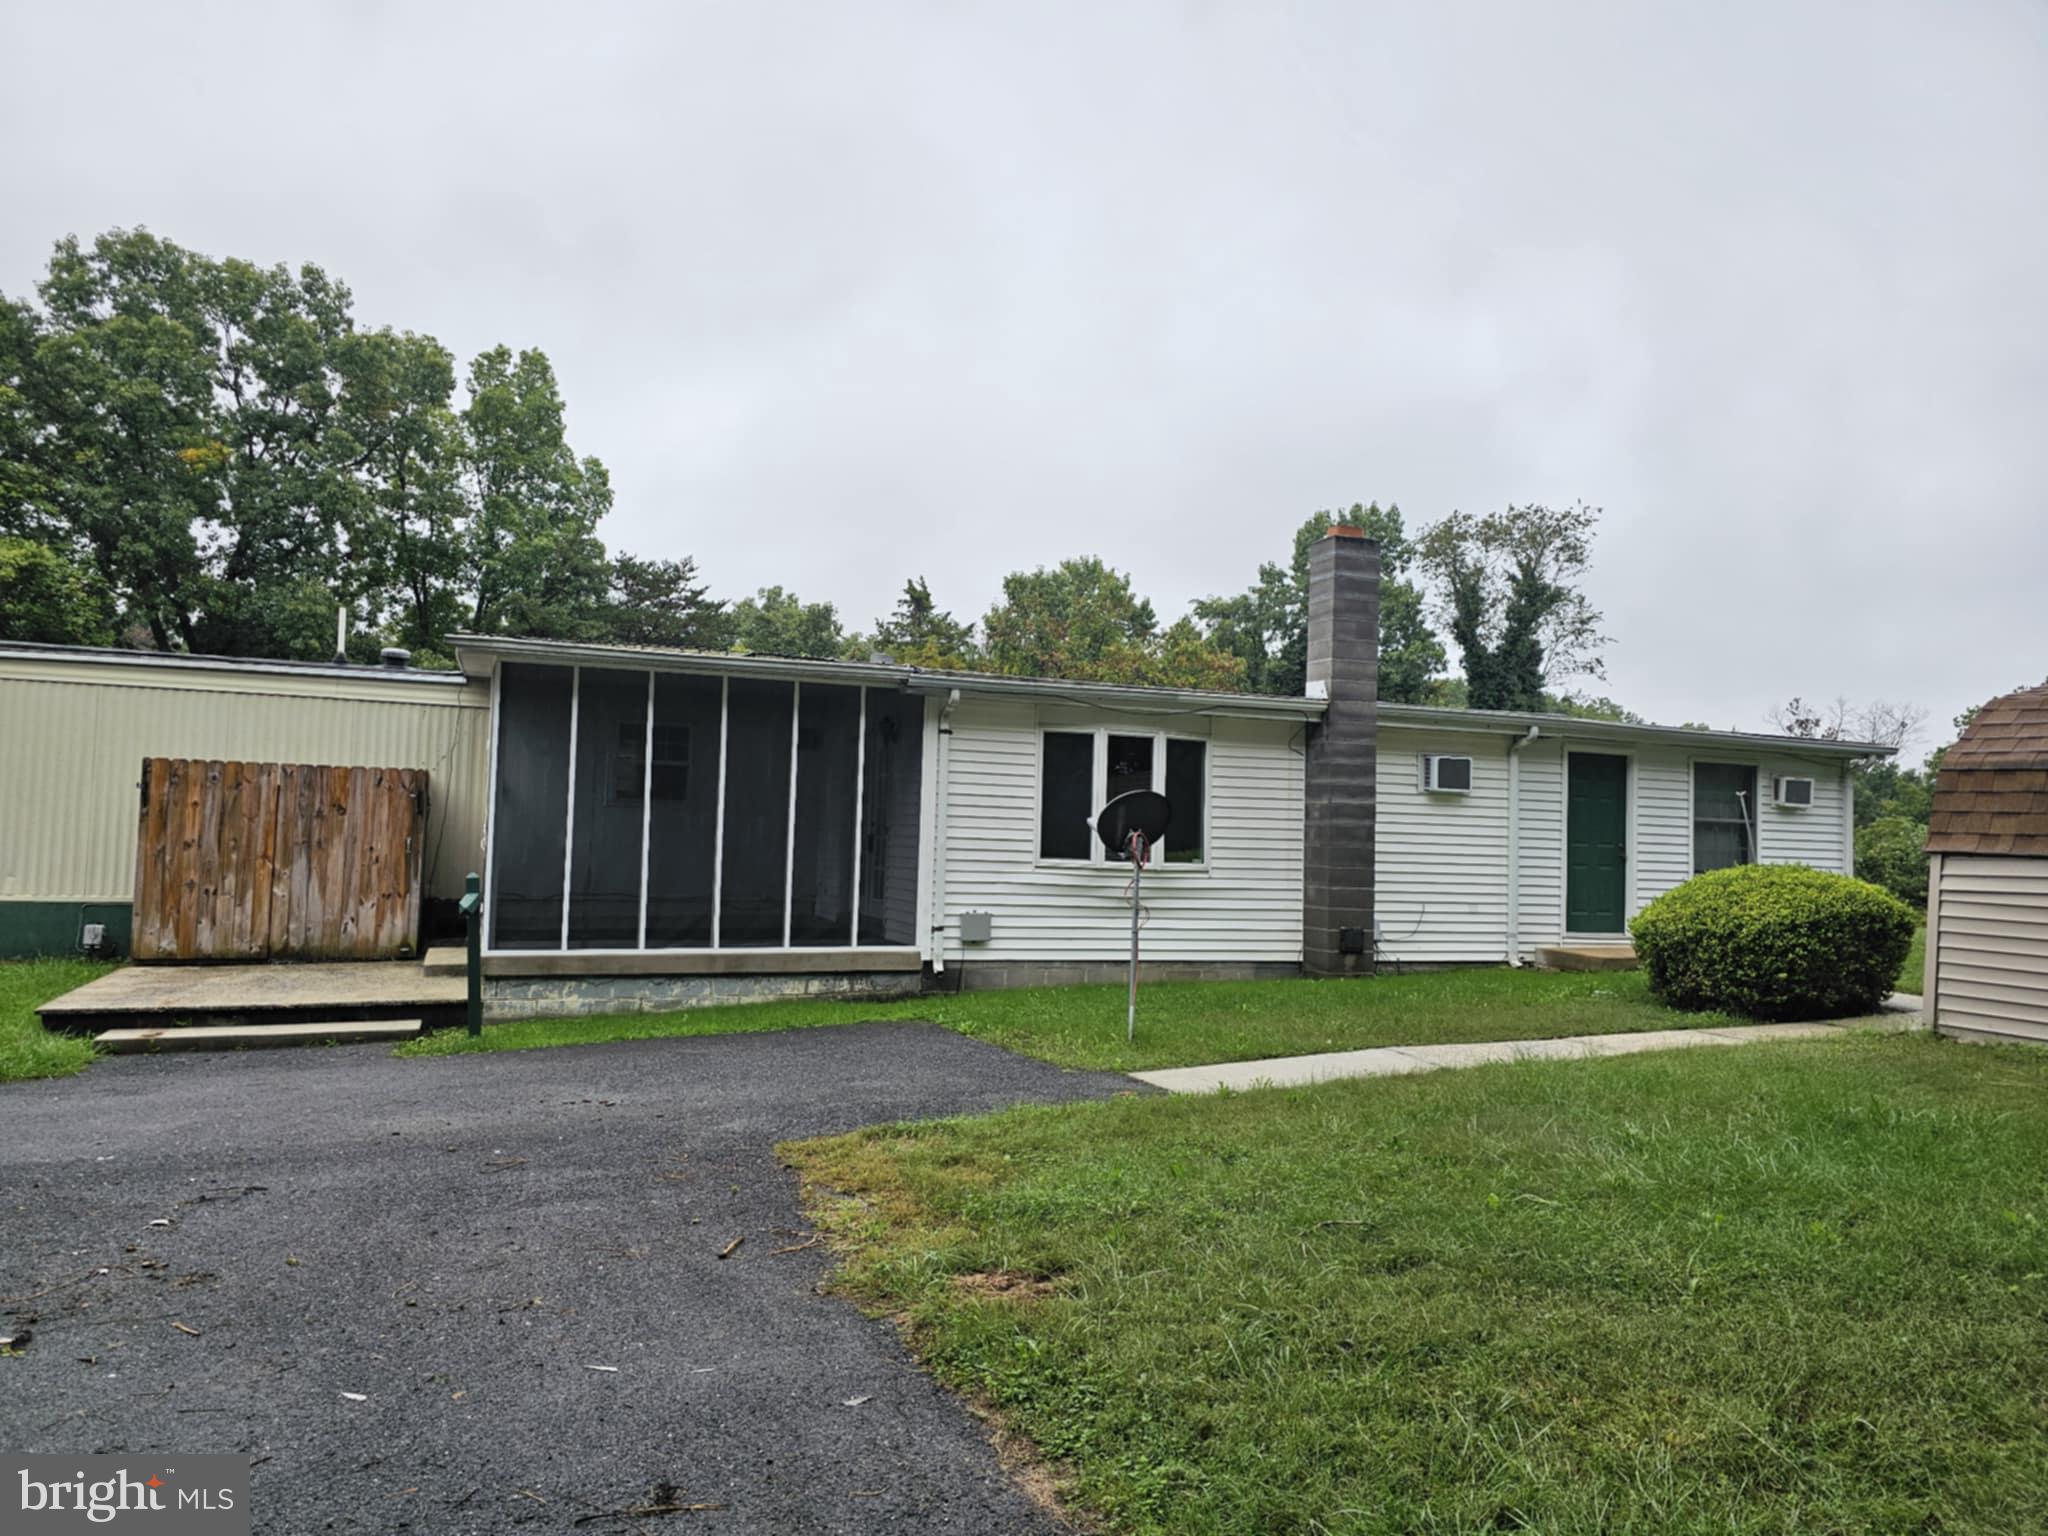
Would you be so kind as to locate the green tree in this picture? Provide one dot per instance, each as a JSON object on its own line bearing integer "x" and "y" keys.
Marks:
{"x": 1507, "y": 590}
{"x": 1892, "y": 852}
{"x": 918, "y": 633}
{"x": 1081, "y": 620}
{"x": 49, "y": 600}
{"x": 1266, "y": 626}
{"x": 778, "y": 623}
{"x": 530, "y": 559}
{"x": 661, "y": 602}
{"x": 235, "y": 459}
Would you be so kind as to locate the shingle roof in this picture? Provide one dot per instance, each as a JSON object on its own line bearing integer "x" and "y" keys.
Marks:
{"x": 1992, "y": 792}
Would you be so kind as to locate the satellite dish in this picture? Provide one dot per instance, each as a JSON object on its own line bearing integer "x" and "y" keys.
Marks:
{"x": 1130, "y": 826}
{"x": 1141, "y": 811}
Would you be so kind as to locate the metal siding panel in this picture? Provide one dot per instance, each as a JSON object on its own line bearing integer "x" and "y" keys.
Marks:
{"x": 77, "y": 735}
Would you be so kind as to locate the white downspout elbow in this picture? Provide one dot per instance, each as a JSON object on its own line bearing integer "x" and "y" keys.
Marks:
{"x": 1514, "y": 922}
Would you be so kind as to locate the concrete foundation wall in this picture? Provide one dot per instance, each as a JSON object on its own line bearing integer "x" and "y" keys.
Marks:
{"x": 992, "y": 975}
{"x": 551, "y": 997}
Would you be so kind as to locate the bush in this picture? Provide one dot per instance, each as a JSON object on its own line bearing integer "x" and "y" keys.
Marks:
{"x": 1892, "y": 852}
{"x": 1774, "y": 941}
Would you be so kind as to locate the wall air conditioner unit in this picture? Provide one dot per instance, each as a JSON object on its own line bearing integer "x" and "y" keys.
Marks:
{"x": 1796, "y": 794}
{"x": 1446, "y": 775}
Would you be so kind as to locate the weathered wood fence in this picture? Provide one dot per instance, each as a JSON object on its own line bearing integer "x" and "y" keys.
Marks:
{"x": 272, "y": 861}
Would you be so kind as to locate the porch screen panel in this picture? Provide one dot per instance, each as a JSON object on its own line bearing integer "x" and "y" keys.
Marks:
{"x": 890, "y": 784}
{"x": 682, "y": 823}
{"x": 827, "y": 763}
{"x": 530, "y": 822}
{"x": 604, "y": 853}
{"x": 756, "y": 870}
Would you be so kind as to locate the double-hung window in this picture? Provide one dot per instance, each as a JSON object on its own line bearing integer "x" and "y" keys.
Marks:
{"x": 1723, "y": 815}
{"x": 1080, "y": 771}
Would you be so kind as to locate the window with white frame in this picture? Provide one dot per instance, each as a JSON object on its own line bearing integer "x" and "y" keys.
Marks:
{"x": 1080, "y": 771}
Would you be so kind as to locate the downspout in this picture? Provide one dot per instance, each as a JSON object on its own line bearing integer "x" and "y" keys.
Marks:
{"x": 1514, "y": 923}
{"x": 938, "y": 920}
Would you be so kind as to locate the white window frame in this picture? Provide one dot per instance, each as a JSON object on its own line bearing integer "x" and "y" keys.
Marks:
{"x": 716, "y": 947}
{"x": 1755, "y": 836}
{"x": 1098, "y": 790}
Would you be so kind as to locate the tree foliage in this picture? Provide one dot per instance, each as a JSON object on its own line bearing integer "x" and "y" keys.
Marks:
{"x": 233, "y": 458}
{"x": 918, "y": 633}
{"x": 1081, "y": 620}
{"x": 777, "y": 623}
{"x": 48, "y": 600}
{"x": 1266, "y": 626}
{"x": 1506, "y": 586}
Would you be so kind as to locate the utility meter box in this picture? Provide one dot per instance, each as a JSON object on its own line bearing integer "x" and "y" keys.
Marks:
{"x": 977, "y": 927}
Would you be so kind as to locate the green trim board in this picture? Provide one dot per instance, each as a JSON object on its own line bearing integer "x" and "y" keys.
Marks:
{"x": 1596, "y": 843}
{"x": 31, "y": 928}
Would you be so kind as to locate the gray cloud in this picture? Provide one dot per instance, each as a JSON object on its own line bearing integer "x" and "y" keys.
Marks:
{"x": 844, "y": 293}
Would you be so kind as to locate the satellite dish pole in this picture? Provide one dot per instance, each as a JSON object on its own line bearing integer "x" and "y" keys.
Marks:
{"x": 1129, "y": 826}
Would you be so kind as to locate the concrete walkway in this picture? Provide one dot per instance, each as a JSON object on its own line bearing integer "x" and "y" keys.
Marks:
{"x": 1396, "y": 1060}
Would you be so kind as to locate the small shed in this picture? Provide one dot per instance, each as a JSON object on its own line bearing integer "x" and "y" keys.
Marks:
{"x": 1987, "y": 878}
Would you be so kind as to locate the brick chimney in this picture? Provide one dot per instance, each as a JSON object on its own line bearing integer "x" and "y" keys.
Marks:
{"x": 1342, "y": 754}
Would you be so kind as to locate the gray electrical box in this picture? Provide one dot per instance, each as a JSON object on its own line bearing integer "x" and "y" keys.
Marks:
{"x": 977, "y": 927}
{"x": 94, "y": 938}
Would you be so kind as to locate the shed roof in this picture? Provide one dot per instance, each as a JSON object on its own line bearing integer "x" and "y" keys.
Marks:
{"x": 1992, "y": 793}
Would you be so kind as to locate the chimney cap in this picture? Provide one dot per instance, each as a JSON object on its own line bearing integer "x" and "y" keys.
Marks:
{"x": 1345, "y": 531}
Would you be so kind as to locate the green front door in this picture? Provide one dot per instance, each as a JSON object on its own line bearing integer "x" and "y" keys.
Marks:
{"x": 1596, "y": 844}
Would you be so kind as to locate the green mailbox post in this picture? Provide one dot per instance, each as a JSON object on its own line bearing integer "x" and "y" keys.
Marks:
{"x": 472, "y": 916}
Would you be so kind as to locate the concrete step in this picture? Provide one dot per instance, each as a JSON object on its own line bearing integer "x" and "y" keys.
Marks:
{"x": 446, "y": 960}
{"x": 216, "y": 1037}
{"x": 1587, "y": 957}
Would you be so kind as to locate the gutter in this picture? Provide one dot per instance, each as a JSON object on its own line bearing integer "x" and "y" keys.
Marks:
{"x": 1514, "y": 922}
{"x": 936, "y": 921}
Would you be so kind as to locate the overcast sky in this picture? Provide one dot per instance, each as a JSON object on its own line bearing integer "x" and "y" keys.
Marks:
{"x": 843, "y": 293}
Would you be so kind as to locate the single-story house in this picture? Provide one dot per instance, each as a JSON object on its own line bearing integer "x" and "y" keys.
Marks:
{"x": 1987, "y": 877}
{"x": 657, "y": 826}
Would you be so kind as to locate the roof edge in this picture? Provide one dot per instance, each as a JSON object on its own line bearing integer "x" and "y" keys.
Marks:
{"x": 117, "y": 656}
{"x": 1517, "y": 722}
{"x": 473, "y": 652}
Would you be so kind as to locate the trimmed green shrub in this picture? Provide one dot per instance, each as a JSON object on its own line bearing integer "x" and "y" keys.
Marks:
{"x": 1774, "y": 941}
{"x": 1892, "y": 852}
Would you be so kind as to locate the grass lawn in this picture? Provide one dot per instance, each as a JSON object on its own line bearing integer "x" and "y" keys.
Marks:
{"x": 1180, "y": 1024}
{"x": 1774, "y": 1288}
{"x": 26, "y": 1048}
{"x": 1912, "y": 975}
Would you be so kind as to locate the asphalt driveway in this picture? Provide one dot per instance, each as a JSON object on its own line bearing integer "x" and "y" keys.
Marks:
{"x": 402, "y": 1278}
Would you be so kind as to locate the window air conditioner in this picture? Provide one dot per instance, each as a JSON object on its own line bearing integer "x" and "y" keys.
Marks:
{"x": 1446, "y": 775}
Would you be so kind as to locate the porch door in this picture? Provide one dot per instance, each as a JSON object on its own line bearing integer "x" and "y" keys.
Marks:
{"x": 1596, "y": 844}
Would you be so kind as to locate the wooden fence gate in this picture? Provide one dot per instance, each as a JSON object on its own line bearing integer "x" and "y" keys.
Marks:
{"x": 272, "y": 861}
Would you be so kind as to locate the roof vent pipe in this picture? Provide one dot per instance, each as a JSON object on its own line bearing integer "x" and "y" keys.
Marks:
{"x": 393, "y": 659}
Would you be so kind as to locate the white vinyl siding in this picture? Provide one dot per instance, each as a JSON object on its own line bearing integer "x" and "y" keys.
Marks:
{"x": 1663, "y": 824}
{"x": 1987, "y": 962}
{"x": 1541, "y": 876}
{"x": 1243, "y": 904}
{"x": 1811, "y": 834}
{"x": 1441, "y": 892}
{"x": 1442, "y": 874}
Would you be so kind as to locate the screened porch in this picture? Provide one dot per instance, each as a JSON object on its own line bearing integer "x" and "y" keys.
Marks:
{"x": 638, "y": 811}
